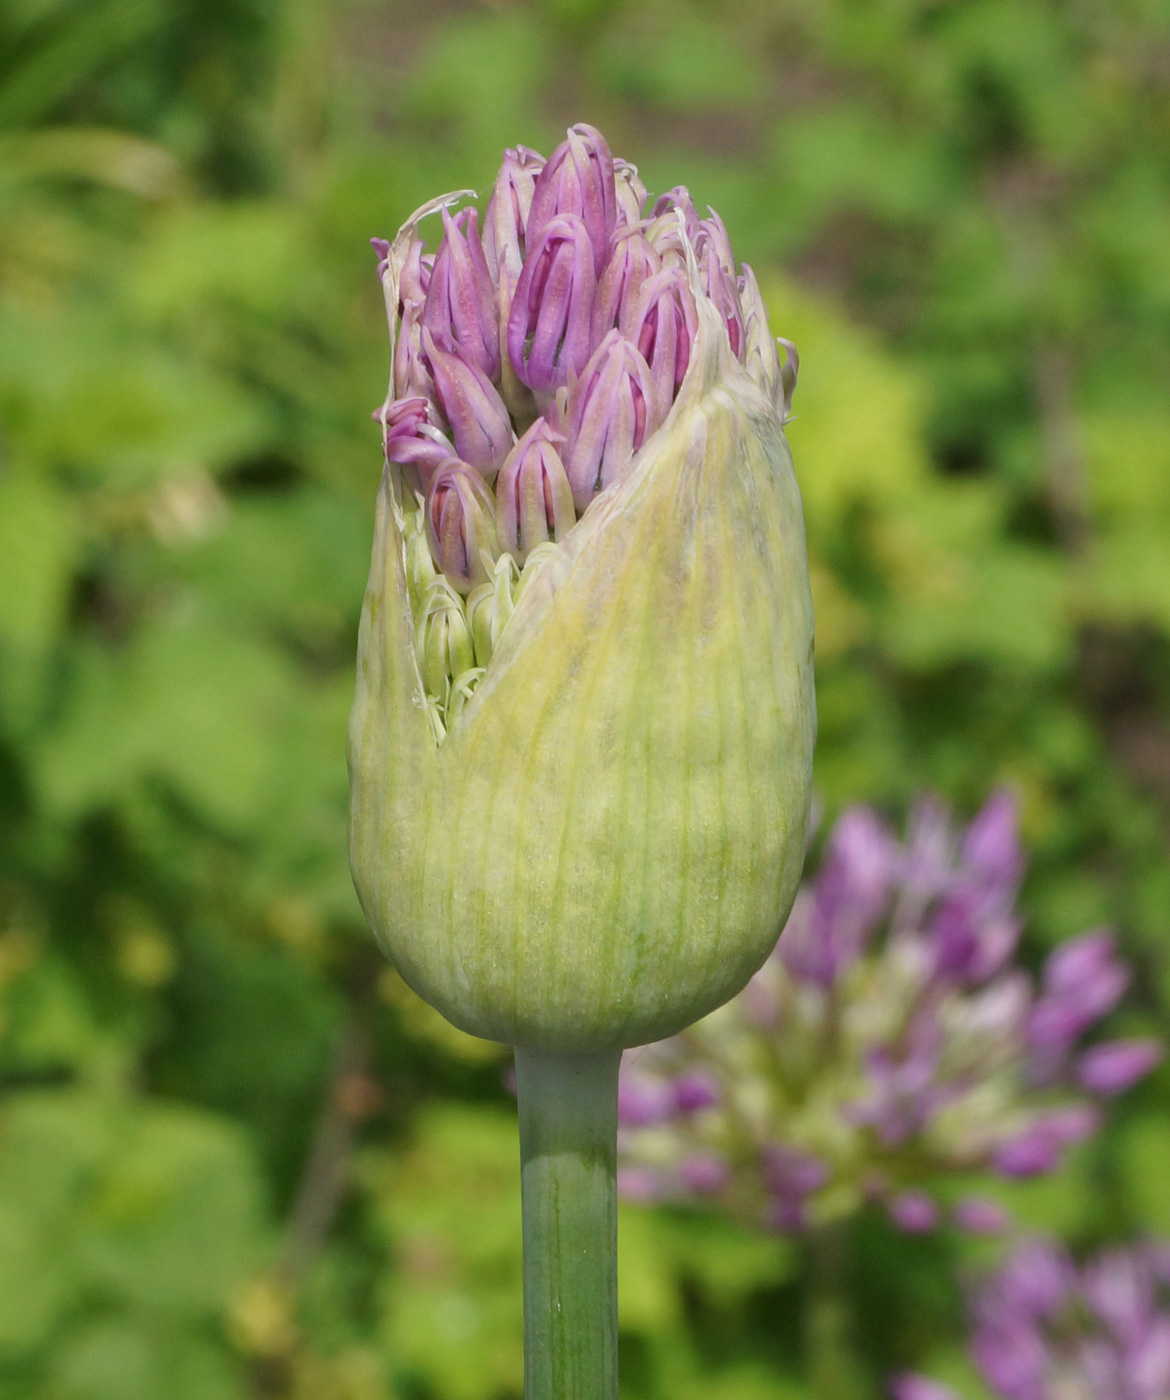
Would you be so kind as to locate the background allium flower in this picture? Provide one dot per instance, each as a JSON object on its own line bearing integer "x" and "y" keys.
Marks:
{"x": 1045, "y": 1330}
{"x": 888, "y": 1041}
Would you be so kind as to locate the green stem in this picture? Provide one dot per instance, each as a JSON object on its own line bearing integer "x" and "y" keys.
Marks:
{"x": 834, "y": 1371}
{"x": 568, "y": 1165}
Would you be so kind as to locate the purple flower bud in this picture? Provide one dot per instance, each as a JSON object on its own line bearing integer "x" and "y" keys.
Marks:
{"x": 550, "y": 320}
{"x": 612, "y": 409}
{"x": 1116, "y": 1066}
{"x": 631, "y": 193}
{"x": 506, "y": 216}
{"x": 1081, "y": 982}
{"x": 978, "y": 1216}
{"x": 578, "y": 179}
{"x": 460, "y": 304}
{"x": 991, "y": 846}
{"x": 411, "y": 436}
{"x": 1039, "y": 1147}
{"x": 914, "y": 1212}
{"x": 534, "y": 501}
{"x": 662, "y": 322}
{"x": 479, "y": 421}
{"x": 908, "y": 1386}
{"x": 968, "y": 946}
{"x": 415, "y": 277}
{"x": 461, "y": 527}
{"x": 412, "y": 373}
{"x": 632, "y": 263}
{"x": 927, "y": 869}
{"x": 668, "y": 206}
{"x": 717, "y": 271}
{"x": 704, "y": 1173}
{"x": 695, "y": 1090}
{"x": 1079, "y": 966}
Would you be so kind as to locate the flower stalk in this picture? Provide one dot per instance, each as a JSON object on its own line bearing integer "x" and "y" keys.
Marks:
{"x": 568, "y": 1165}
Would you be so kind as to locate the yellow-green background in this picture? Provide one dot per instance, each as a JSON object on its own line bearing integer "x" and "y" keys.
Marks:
{"x": 236, "y": 1157}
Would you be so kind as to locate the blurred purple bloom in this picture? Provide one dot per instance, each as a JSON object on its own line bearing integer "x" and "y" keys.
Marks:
{"x": 695, "y": 1090}
{"x": 978, "y": 1216}
{"x": 1112, "y": 1068}
{"x": 704, "y": 1173}
{"x": 914, "y": 1212}
{"x": 1039, "y": 1147}
{"x": 908, "y": 1386}
{"x": 831, "y": 923}
{"x": 643, "y": 1100}
{"x": 1043, "y": 1331}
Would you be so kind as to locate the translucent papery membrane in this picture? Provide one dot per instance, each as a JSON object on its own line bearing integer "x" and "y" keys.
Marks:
{"x": 531, "y": 363}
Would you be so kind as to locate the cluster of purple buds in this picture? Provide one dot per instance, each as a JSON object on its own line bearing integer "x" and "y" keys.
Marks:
{"x": 531, "y": 362}
{"x": 1046, "y": 1330}
{"x": 888, "y": 1044}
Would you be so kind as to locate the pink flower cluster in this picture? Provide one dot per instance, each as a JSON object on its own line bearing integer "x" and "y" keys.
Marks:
{"x": 533, "y": 359}
{"x": 1045, "y": 1330}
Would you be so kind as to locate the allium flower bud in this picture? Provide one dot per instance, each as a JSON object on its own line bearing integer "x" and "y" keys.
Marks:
{"x": 550, "y": 321}
{"x": 718, "y": 271}
{"x": 665, "y": 217}
{"x": 416, "y": 275}
{"x": 562, "y": 831}
{"x": 444, "y": 641}
{"x": 660, "y": 320}
{"x": 612, "y": 409}
{"x": 480, "y": 426}
{"x": 490, "y": 606}
{"x": 460, "y": 304}
{"x": 578, "y": 179}
{"x": 412, "y": 377}
{"x": 411, "y": 437}
{"x": 506, "y": 221}
{"x": 461, "y": 523}
{"x": 632, "y": 263}
{"x": 631, "y": 193}
{"x": 534, "y": 501}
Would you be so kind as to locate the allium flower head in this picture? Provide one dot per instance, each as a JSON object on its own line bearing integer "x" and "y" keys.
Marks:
{"x": 589, "y": 567}
{"x": 888, "y": 1042}
{"x": 1046, "y": 1330}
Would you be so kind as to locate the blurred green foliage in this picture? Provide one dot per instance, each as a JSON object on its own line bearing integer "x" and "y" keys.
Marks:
{"x": 237, "y": 1158}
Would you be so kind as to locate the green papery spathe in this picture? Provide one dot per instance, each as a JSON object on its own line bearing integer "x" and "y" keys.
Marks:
{"x": 605, "y": 845}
